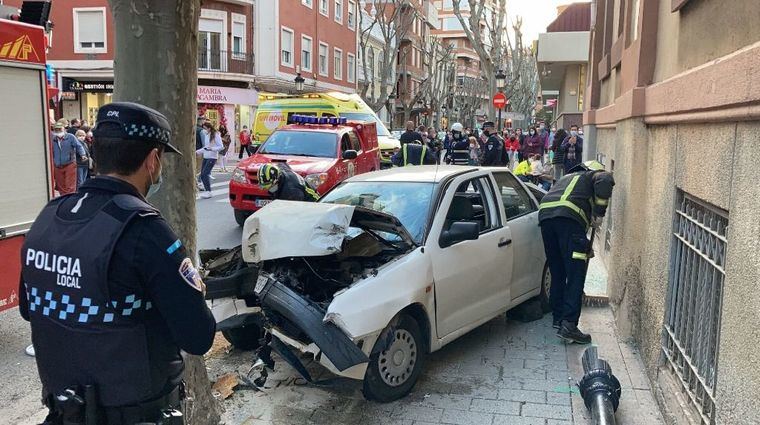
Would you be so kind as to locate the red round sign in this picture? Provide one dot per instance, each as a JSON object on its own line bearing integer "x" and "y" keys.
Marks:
{"x": 499, "y": 100}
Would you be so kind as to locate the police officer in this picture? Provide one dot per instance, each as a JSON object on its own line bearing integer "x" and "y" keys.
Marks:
{"x": 414, "y": 154}
{"x": 493, "y": 146}
{"x": 282, "y": 183}
{"x": 574, "y": 203}
{"x": 108, "y": 288}
{"x": 458, "y": 147}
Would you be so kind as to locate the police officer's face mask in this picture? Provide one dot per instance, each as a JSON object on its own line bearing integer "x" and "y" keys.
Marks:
{"x": 154, "y": 186}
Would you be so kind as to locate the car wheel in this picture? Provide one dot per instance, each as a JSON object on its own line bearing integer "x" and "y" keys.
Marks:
{"x": 244, "y": 338}
{"x": 546, "y": 286}
{"x": 241, "y": 216}
{"x": 392, "y": 372}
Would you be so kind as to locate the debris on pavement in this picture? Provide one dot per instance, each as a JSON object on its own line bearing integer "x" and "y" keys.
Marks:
{"x": 225, "y": 386}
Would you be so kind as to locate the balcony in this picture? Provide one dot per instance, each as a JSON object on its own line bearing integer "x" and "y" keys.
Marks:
{"x": 224, "y": 61}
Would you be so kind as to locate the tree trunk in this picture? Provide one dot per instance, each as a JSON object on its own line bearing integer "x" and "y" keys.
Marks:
{"x": 156, "y": 65}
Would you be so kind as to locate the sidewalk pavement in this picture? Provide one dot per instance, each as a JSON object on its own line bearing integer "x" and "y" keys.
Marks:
{"x": 504, "y": 372}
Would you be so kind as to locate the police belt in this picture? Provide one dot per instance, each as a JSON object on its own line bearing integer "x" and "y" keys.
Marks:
{"x": 78, "y": 409}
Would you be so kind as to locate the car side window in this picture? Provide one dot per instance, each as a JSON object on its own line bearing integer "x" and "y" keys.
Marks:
{"x": 345, "y": 143}
{"x": 514, "y": 198}
{"x": 473, "y": 202}
{"x": 357, "y": 146}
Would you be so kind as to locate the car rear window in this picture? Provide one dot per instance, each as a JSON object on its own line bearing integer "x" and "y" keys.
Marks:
{"x": 301, "y": 143}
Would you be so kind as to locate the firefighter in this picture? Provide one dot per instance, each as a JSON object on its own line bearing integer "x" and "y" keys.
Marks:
{"x": 282, "y": 183}
{"x": 576, "y": 202}
{"x": 110, "y": 292}
{"x": 414, "y": 154}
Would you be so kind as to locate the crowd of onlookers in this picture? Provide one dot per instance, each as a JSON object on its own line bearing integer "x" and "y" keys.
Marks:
{"x": 537, "y": 154}
{"x": 72, "y": 158}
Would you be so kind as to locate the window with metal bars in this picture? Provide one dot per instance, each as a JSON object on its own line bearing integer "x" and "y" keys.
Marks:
{"x": 695, "y": 292}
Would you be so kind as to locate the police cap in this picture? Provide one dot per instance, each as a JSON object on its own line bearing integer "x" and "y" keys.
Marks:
{"x": 134, "y": 122}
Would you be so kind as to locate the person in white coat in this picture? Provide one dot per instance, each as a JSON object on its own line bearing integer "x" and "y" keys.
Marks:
{"x": 212, "y": 144}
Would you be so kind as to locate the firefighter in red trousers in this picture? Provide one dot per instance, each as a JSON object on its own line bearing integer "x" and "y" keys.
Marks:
{"x": 575, "y": 203}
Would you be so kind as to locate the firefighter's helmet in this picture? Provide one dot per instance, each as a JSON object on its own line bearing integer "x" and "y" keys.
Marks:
{"x": 587, "y": 166}
{"x": 268, "y": 175}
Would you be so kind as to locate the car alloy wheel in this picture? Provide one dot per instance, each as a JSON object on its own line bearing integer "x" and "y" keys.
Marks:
{"x": 546, "y": 286}
{"x": 397, "y": 362}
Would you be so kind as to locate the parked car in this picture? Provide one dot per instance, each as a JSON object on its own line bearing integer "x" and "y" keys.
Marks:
{"x": 324, "y": 154}
{"x": 388, "y": 267}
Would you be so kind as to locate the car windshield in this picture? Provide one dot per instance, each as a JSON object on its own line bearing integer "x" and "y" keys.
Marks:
{"x": 364, "y": 116}
{"x": 409, "y": 202}
{"x": 301, "y": 143}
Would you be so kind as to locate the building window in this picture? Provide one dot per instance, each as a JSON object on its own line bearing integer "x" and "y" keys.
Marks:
{"x": 324, "y": 7}
{"x": 339, "y": 11}
{"x": 307, "y": 3}
{"x": 691, "y": 333}
{"x": 634, "y": 30}
{"x": 350, "y": 68}
{"x": 212, "y": 26}
{"x": 338, "y": 64}
{"x": 371, "y": 63}
{"x": 90, "y": 30}
{"x": 352, "y": 15}
{"x": 238, "y": 35}
{"x": 306, "y": 53}
{"x": 324, "y": 59}
{"x": 286, "y": 47}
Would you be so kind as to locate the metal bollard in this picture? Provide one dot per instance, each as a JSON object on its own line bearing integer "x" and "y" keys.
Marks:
{"x": 599, "y": 388}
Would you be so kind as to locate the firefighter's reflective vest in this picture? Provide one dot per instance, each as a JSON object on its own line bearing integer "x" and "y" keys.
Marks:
{"x": 579, "y": 196}
{"x": 406, "y": 155}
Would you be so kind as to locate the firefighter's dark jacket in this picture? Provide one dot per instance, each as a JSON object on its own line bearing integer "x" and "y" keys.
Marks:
{"x": 292, "y": 187}
{"x": 579, "y": 196}
{"x": 413, "y": 154}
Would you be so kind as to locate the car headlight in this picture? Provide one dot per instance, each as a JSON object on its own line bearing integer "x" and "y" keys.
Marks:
{"x": 238, "y": 175}
{"x": 316, "y": 180}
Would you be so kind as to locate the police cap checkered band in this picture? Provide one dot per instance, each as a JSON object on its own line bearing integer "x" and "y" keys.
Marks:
{"x": 134, "y": 122}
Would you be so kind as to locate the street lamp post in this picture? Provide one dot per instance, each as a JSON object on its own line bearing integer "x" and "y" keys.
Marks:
{"x": 501, "y": 80}
{"x": 299, "y": 82}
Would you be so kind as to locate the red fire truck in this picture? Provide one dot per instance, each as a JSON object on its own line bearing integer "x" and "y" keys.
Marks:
{"x": 25, "y": 168}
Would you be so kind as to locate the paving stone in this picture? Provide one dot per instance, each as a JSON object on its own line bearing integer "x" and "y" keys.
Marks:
{"x": 517, "y": 420}
{"x": 548, "y": 411}
{"x": 446, "y": 401}
{"x": 418, "y": 413}
{"x": 463, "y": 417}
{"x": 557, "y": 422}
{"x": 547, "y": 385}
{"x": 526, "y": 396}
{"x": 546, "y": 364}
{"x": 524, "y": 373}
{"x": 495, "y": 406}
{"x": 558, "y": 398}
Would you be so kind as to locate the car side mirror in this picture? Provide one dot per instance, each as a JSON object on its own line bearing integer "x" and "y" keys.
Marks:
{"x": 350, "y": 154}
{"x": 458, "y": 232}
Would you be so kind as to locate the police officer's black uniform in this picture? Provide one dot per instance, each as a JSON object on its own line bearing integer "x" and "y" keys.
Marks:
{"x": 565, "y": 214}
{"x": 493, "y": 147}
{"x": 111, "y": 295}
{"x": 292, "y": 187}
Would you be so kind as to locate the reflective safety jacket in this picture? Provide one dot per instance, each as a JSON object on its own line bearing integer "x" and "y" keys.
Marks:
{"x": 292, "y": 187}
{"x": 522, "y": 168}
{"x": 414, "y": 154}
{"x": 580, "y": 196}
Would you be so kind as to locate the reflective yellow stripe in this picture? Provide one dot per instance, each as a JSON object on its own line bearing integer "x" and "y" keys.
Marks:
{"x": 580, "y": 256}
{"x": 406, "y": 157}
{"x": 312, "y": 192}
{"x": 563, "y": 202}
{"x": 600, "y": 201}
{"x": 422, "y": 157}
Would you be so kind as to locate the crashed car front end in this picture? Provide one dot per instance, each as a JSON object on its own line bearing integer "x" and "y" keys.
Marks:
{"x": 330, "y": 278}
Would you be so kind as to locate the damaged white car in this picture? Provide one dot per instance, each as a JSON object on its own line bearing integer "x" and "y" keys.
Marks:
{"x": 388, "y": 267}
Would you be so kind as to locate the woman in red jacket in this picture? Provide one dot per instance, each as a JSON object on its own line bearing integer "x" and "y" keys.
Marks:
{"x": 512, "y": 146}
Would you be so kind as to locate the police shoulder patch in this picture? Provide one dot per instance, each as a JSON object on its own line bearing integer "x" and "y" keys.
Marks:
{"x": 190, "y": 275}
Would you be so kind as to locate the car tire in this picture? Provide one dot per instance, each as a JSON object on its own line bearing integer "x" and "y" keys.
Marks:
{"x": 546, "y": 284}
{"x": 241, "y": 216}
{"x": 244, "y": 338}
{"x": 385, "y": 382}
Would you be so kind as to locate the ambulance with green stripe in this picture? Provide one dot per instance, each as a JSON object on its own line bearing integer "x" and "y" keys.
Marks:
{"x": 275, "y": 110}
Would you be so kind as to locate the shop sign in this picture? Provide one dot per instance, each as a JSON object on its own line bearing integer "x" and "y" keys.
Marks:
{"x": 72, "y": 85}
{"x": 68, "y": 95}
{"x": 227, "y": 95}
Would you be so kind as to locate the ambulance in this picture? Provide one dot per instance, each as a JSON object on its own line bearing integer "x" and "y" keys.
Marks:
{"x": 276, "y": 110}
{"x": 26, "y": 172}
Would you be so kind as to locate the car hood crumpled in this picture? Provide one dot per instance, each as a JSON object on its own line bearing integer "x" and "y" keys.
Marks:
{"x": 305, "y": 229}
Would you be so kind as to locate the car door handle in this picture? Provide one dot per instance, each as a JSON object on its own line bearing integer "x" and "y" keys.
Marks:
{"x": 504, "y": 242}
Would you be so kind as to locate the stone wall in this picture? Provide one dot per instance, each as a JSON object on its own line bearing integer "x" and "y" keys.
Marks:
{"x": 714, "y": 162}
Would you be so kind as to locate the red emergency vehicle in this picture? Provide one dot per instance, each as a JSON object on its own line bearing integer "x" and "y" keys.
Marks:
{"x": 325, "y": 151}
{"x": 25, "y": 170}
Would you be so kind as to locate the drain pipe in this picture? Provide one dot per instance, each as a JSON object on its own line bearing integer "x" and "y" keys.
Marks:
{"x": 600, "y": 389}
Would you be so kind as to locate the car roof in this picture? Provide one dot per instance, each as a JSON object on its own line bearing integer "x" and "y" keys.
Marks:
{"x": 419, "y": 173}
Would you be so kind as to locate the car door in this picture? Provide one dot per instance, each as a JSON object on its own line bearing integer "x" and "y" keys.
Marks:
{"x": 469, "y": 276}
{"x": 521, "y": 214}
{"x": 346, "y": 167}
{"x": 362, "y": 165}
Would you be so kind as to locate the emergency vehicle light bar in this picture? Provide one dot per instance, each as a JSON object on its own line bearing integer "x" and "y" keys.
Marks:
{"x": 305, "y": 119}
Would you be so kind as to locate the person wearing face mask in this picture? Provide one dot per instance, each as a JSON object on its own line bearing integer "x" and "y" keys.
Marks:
{"x": 83, "y": 162}
{"x": 66, "y": 149}
{"x": 212, "y": 144}
{"x": 110, "y": 291}
{"x": 572, "y": 148}
{"x": 534, "y": 144}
